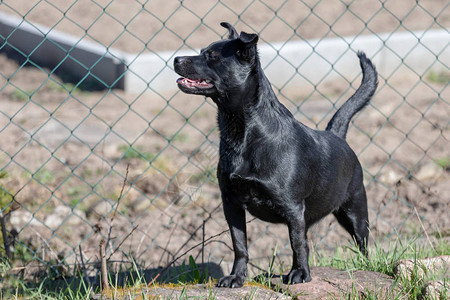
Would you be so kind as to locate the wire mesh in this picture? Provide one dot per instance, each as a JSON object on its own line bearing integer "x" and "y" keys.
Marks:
{"x": 83, "y": 159}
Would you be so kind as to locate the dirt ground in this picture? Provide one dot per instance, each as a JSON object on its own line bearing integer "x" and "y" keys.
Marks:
{"x": 65, "y": 152}
{"x": 69, "y": 149}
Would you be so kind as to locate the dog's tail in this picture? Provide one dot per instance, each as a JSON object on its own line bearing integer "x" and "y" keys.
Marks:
{"x": 339, "y": 122}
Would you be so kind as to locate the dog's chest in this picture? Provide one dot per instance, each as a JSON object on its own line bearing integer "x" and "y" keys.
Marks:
{"x": 238, "y": 181}
{"x": 260, "y": 205}
{"x": 257, "y": 204}
{"x": 255, "y": 199}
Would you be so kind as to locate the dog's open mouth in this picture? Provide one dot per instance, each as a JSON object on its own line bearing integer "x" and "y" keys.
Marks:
{"x": 201, "y": 84}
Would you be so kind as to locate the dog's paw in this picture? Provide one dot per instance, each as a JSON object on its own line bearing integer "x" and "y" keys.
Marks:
{"x": 232, "y": 281}
{"x": 297, "y": 276}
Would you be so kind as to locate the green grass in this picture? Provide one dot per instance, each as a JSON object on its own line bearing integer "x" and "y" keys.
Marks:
{"x": 78, "y": 204}
{"x": 135, "y": 152}
{"x": 20, "y": 95}
{"x": 439, "y": 77}
{"x": 443, "y": 162}
{"x": 61, "y": 87}
{"x": 44, "y": 176}
{"x": 179, "y": 137}
{"x": 382, "y": 259}
{"x": 6, "y": 200}
{"x": 208, "y": 174}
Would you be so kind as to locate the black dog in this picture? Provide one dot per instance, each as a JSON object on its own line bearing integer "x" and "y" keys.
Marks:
{"x": 270, "y": 164}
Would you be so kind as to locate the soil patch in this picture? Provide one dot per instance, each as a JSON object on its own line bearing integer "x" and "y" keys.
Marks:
{"x": 65, "y": 153}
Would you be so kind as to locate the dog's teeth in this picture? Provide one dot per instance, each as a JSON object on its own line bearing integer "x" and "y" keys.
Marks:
{"x": 196, "y": 83}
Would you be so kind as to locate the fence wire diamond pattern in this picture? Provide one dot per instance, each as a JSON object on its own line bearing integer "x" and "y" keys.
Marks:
{"x": 86, "y": 157}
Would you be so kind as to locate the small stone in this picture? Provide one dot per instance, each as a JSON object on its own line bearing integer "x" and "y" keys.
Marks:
{"x": 390, "y": 177}
{"x": 141, "y": 204}
{"x": 102, "y": 208}
{"x": 421, "y": 268}
{"x": 111, "y": 151}
{"x": 19, "y": 218}
{"x": 77, "y": 217}
{"x": 408, "y": 268}
{"x": 62, "y": 210}
{"x": 64, "y": 214}
{"x": 429, "y": 172}
{"x": 53, "y": 221}
{"x": 435, "y": 289}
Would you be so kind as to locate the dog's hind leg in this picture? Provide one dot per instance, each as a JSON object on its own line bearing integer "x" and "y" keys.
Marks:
{"x": 353, "y": 216}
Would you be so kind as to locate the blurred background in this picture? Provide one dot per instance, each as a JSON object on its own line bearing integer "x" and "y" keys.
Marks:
{"x": 98, "y": 143}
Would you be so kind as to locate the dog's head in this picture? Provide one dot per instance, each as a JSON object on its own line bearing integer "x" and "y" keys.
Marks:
{"x": 221, "y": 68}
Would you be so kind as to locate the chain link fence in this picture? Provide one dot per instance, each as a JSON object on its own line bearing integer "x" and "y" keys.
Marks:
{"x": 131, "y": 160}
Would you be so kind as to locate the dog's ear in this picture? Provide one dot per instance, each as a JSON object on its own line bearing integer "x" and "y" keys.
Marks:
{"x": 231, "y": 30}
{"x": 248, "y": 39}
{"x": 248, "y": 45}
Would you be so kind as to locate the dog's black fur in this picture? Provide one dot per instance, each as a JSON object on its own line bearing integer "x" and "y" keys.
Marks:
{"x": 270, "y": 164}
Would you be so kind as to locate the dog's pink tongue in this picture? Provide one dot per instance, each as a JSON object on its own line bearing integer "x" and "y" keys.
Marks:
{"x": 200, "y": 83}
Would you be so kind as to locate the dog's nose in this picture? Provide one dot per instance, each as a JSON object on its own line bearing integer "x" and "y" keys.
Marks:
{"x": 181, "y": 59}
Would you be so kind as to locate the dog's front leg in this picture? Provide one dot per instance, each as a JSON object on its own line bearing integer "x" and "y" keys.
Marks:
{"x": 299, "y": 243}
{"x": 235, "y": 217}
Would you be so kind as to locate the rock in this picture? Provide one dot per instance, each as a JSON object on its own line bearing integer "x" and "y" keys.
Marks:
{"x": 198, "y": 291}
{"x": 77, "y": 217}
{"x": 421, "y": 268}
{"x": 435, "y": 289}
{"x": 19, "y": 218}
{"x": 428, "y": 172}
{"x": 390, "y": 177}
{"x": 64, "y": 214}
{"x": 141, "y": 204}
{"x": 102, "y": 207}
{"x": 331, "y": 283}
{"x": 53, "y": 221}
{"x": 62, "y": 210}
{"x": 111, "y": 151}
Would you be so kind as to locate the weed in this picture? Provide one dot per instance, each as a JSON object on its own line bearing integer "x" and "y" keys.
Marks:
{"x": 439, "y": 77}
{"x": 86, "y": 173}
{"x": 75, "y": 191}
{"x": 265, "y": 279}
{"x": 191, "y": 273}
{"x": 131, "y": 152}
{"x": 208, "y": 174}
{"x": 443, "y": 162}
{"x": 22, "y": 252}
{"x": 20, "y": 95}
{"x": 6, "y": 199}
{"x": 3, "y": 174}
{"x": 78, "y": 203}
{"x": 164, "y": 164}
{"x": 44, "y": 176}
{"x": 383, "y": 259}
{"x": 62, "y": 87}
{"x": 179, "y": 137}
